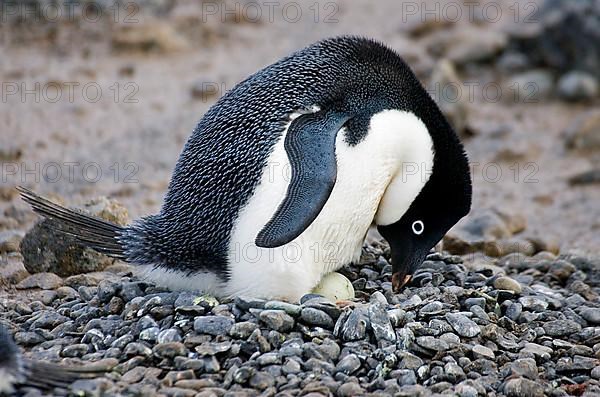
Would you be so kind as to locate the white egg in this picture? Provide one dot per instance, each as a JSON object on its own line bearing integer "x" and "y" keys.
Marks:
{"x": 335, "y": 286}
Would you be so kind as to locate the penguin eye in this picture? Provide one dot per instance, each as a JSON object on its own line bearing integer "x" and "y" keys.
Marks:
{"x": 418, "y": 227}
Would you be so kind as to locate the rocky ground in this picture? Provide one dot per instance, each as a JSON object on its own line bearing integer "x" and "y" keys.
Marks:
{"x": 508, "y": 306}
{"x": 521, "y": 326}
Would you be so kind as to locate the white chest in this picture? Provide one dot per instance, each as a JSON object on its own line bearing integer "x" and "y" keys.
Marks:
{"x": 371, "y": 185}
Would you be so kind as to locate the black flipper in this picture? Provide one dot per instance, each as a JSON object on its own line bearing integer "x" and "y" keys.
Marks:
{"x": 310, "y": 146}
{"x": 91, "y": 231}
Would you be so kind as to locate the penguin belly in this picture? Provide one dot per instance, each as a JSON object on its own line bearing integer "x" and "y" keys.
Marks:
{"x": 336, "y": 236}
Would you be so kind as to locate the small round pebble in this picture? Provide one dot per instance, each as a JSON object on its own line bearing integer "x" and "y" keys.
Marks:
{"x": 507, "y": 283}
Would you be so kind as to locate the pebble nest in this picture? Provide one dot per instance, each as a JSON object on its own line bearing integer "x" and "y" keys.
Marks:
{"x": 519, "y": 326}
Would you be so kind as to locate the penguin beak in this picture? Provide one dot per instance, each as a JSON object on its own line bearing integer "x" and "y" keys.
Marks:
{"x": 399, "y": 280}
{"x": 407, "y": 254}
{"x": 404, "y": 264}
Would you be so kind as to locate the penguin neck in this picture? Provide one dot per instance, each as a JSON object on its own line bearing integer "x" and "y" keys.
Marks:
{"x": 451, "y": 171}
{"x": 411, "y": 165}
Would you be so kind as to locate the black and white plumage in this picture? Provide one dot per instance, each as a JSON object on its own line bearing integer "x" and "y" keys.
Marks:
{"x": 282, "y": 177}
{"x": 17, "y": 371}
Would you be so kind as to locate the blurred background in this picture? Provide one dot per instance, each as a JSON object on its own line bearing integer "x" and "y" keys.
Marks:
{"x": 99, "y": 97}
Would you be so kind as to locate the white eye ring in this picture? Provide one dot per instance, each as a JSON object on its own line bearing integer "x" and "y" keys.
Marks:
{"x": 418, "y": 227}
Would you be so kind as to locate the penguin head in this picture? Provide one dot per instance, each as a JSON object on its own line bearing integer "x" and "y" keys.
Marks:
{"x": 443, "y": 200}
{"x": 367, "y": 83}
{"x": 425, "y": 223}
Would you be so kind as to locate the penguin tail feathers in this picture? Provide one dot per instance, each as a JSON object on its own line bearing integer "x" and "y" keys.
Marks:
{"x": 90, "y": 231}
{"x": 47, "y": 376}
{"x": 17, "y": 371}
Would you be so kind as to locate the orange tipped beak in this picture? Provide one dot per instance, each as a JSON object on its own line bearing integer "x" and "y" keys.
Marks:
{"x": 399, "y": 280}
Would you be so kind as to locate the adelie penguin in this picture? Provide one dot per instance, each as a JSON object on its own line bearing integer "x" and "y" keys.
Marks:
{"x": 17, "y": 372}
{"x": 280, "y": 180}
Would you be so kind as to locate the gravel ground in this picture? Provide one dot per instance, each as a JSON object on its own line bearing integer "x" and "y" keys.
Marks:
{"x": 522, "y": 324}
{"x": 519, "y": 326}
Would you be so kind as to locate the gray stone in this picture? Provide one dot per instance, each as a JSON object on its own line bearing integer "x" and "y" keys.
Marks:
{"x": 561, "y": 327}
{"x": 482, "y": 231}
{"x": 377, "y": 296}
{"x": 122, "y": 341}
{"x": 431, "y": 343}
{"x": 591, "y": 314}
{"x": 170, "y": 350}
{"x": 316, "y": 317}
{"x": 525, "y": 367}
{"x": 89, "y": 387}
{"x": 454, "y": 372}
{"x": 513, "y": 311}
{"x": 469, "y": 302}
{"x": 575, "y": 364}
{"x": 432, "y": 308}
{"x": 480, "y": 351}
{"x": 169, "y": 335}
{"x": 450, "y": 338}
{"x": 41, "y": 280}
{"x": 324, "y": 305}
{"x": 185, "y": 298}
{"x": 28, "y": 338}
{"x": 409, "y": 361}
{"x": 397, "y": 317}
{"x": 463, "y": 325}
{"x": 45, "y": 250}
{"x": 472, "y": 44}
{"x": 355, "y": 326}
{"x": 146, "y": 322}
{"x": 213, "y": 325}
{"x": 289, "y": 308}
{"x": 448, "y": 89}
{"x": 533, "y": 303}
{"x": 48, "y": 319}
{"x": 76, "y": 350}
{"x": 242, "y": 330}
{"x": 406, "y": 337}
{"x": 269, "y": 359}
{"x": 380, "y": 322}
{"x": 213, "y": 348}
{"x": 465, "y": 390}
{"x": 480, "y": 313}
{"x": 291, "y": 366}
{"x": 405, "y": 376}
{"x": 130, "y": 290}
{"x": 149, "y": 334}
{"x": 350, "y": 389}
{"x": 261, "y": 381}
{"x": 539, "y": 351}
{"x": 348, "y": 365}
{"x": 277, "y": 320}
{"x": 137, "y": 349}
{"x": 247, "y": 303}
{"x": 107, "y": 289}
{"x": 577, "y": 86}
{"x": 507, "y": 283}
{"x": 522, "y": 387}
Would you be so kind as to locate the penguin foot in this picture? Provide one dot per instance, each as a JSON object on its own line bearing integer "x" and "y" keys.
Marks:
{"x": 343, "y": 303}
